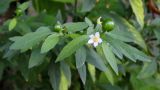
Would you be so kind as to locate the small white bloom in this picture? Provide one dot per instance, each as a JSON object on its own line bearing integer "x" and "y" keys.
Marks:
{"x": 99, "y": 21}
{"x": 95, "y": 39}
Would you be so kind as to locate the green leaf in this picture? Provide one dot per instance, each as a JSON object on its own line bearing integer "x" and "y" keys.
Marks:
{"x": 82, "y": 73}
{"x": 23, "y": 27}
{"x": 54, "y": 76}
{"x": 9, "y": 55}
{"x": 64, "y": 1}
{"x": 117, "y": 52}
{"x": 14, "y": 38}
{"x": 50, "y": 42}
{"x": 24, "y": 6}
{"x": 63, "y": 82}
{"x": 90, "y": 30}
{"x": 12, "y": 24}
{"x": 80, "y": 57}
{"x": 94, "y": 59}
{"x": 89, "y": 22}
{"x": 59, "y": 17}
{"x": 125, "y": 26}
{"x": 71, "y": 47}
{"x": 121, "y": 35}
{"x": 36, "y": 58}
{"x": 110, "y": 57}
{"x": 92, "y": 71}
{"x": 144, "y": 84}
{"x": 4, "y": 5}
{"x": 129, "y": 51}
{"x": 157, "y": 34}
{"x": 109, "y": 75}
{"x": 122, "y": 50}
{"x": 31, "y": 39}
{"x": 23, "y": 67}
{"x": 77, "y": 26}
{"x": 137, "y": 6}
{"x": 49, "y": 6}
{"x": 148, "y": 70}
{"x": 87, "y": 5}
{"x": 67, "y": 72}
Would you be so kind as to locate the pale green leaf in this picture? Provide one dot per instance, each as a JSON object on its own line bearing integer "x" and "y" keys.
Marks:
{"x": 109, "y": 75}
{"x": 92, "y": 71}
{"x": 72, "y": 46}
{"x": 67, "y": 72}
{"x": 49, "y": 43}
{"x": 137, "y": 7}
{"x": 63, "y": 82}
{"x": 90, "y": 30}
{"x": 24, "y": 6}
{"x": 89, "y": 22}
{"x": 12, "y": 24}
{"x": 77, "y": 26}
{"x": 14, "y": 38}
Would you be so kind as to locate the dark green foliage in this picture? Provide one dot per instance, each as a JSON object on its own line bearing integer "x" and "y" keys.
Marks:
{"x": 79, "y": 45}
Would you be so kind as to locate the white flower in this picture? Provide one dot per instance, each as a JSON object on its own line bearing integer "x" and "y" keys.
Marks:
{"x": 95, "y": 39}
{"x": 99, "y": 21}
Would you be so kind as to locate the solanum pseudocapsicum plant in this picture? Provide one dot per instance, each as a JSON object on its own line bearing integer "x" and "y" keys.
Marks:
{"x": 86, "y": 44}
{"x": 65, "y": 50}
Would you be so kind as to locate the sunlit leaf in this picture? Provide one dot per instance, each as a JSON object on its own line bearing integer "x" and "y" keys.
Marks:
{"x": 12, "y": 24}
{"x": 137, "y": 6}
{"x": 92, "y": 71}
{"x": 67, "y": 72}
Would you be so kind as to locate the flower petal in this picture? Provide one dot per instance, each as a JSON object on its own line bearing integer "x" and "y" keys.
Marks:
{"x": 97, "y": 34}
{"x": 95, "y": 44}
{"x": 91, "y": 36}
{"x": 90, "y": 41}
{"x": 100, "y": 40}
